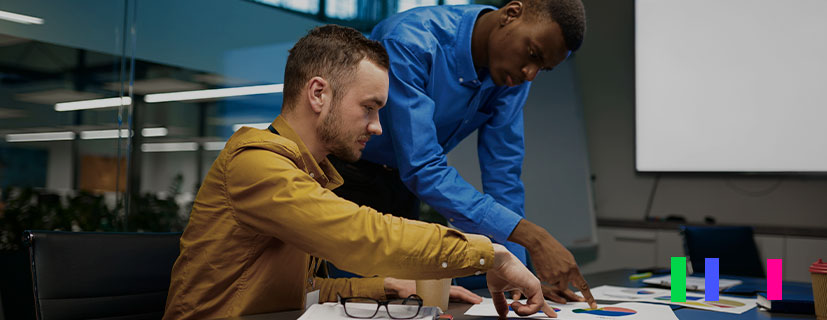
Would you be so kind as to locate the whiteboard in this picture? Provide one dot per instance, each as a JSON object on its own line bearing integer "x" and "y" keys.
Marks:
{"x": 731, "y": 85}
{"x": 556, "y": 170}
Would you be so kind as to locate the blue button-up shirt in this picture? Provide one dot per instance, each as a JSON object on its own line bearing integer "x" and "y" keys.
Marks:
{"x": 437, "y": 98}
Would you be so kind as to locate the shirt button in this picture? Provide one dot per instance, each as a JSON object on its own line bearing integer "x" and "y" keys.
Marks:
{"x": 312, "y": 175}
{"x": 444, "y": 265}
{"x": 482, "y": 261}
{"x": 451, "y": 219}
{"x": 460, "y": 79}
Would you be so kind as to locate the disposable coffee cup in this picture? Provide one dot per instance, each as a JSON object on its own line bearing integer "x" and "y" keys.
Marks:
{"x": 434, "y": 292}
{"x": 818, "y": 272}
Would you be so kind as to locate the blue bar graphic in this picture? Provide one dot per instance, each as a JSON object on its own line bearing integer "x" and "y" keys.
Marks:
{"x": 711, "y": 279}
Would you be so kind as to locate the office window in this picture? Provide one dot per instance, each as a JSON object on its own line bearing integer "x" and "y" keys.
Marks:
{"x": 298, "y": 5}
{"x": 360, "y": 14}
{"x": 404, "y": 5}
{"x": 341, "y": 9}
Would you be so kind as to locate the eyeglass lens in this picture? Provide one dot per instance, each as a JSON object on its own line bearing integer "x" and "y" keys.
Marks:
{"x": 403, "y": 308}
{"x": 361, "y": 308}
{"x": 368, "y": 308}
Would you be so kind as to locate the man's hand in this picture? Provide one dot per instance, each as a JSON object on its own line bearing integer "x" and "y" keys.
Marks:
{"x": 404, "y": 288}
{"x": 509, "y": 274}
{"x": 553, "y": 262}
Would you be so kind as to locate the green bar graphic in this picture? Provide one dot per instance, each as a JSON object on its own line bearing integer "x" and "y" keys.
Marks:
{"x": 678, "y": 279}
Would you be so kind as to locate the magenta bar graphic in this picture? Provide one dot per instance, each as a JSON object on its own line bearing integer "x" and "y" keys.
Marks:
{"x": 774, "y": 279}
{"x": 711, "y": 279}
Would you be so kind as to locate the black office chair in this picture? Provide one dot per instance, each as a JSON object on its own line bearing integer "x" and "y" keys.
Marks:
{"x": 733, "y": 246}
{"x": 82, "y": 275}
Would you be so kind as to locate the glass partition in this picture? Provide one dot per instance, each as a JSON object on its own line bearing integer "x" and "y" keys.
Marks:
{"x": 64, "y": 119}
{"x": 64, "y": 100}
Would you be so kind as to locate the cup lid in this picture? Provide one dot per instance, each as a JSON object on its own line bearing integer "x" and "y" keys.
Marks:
{"x": 819, "y": 267}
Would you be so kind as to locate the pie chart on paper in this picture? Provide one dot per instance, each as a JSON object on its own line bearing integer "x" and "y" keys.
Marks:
{"x": 641, "y": 292}
{"x": 725, "y": 303}
{"x": 669, "y": 298}
{"x": 607, "y": 311}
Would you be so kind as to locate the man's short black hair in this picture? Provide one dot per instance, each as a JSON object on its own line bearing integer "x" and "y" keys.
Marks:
{"x": 569, "y": 14}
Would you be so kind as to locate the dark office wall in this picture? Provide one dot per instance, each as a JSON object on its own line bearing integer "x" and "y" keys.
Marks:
{"x": 605, "y": 67}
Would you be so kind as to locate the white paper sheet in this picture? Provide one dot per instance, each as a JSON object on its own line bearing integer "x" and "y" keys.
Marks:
{"x": 726, "y": 304}
{"x": 581, "y": 310}
{"x": 335, "y": 311}
{"x": 692, "y": 283}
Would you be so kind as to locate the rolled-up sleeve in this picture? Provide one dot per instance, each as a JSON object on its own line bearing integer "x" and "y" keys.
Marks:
{"x": 350, "y": 287}
{"x": 280, "y": 200}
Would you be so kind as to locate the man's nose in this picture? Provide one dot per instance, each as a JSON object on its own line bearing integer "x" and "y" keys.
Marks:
{"x": 530, "y": 71}
{"x": 374, "y": 127}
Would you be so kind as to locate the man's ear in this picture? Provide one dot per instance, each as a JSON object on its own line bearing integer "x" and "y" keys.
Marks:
{"x": 511, "y": 11}
{"x": 317, "y": 93}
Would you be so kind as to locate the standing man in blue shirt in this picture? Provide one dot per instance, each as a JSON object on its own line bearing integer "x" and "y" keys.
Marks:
{"x": 454, "y": 70}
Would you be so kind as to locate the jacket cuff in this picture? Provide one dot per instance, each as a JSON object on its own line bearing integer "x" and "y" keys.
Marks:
{"x": 480, "y": 252}
{"x": 369, "y": 287}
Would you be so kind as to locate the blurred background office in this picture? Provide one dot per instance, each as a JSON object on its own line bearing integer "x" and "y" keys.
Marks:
{"x": 112, "y": 111}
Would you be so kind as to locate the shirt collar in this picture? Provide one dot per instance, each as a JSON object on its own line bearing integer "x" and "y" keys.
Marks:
{"x": 322, "y": 171}
{"x": 466, "y": 71}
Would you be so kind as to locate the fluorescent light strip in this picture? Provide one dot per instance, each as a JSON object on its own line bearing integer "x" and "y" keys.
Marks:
{"x": 169, "y": 147}
{"x": 102, "y": 134}
{"x": 93, "y": 104}
{"x": 213, "y": 93}
{"x": 111, "y": 134}
{"x": 214, "y": 146}
{"x": 40, "y": 136}
{"x": 19, "y": 18}
{"x": 262, "y": 125}
{"x": 154, "y": 132}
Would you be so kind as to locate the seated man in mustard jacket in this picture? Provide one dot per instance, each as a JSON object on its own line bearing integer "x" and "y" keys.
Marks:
{"x": 265, "y": 214}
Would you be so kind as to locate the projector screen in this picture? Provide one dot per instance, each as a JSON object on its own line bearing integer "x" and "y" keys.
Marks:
{"x": 731, "y": 85}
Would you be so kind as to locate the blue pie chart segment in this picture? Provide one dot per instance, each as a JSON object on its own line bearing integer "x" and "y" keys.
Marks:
{"x": 607, "y": 311}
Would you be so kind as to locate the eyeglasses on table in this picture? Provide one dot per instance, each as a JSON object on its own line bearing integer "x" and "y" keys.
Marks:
{"x": 366, "y": 308}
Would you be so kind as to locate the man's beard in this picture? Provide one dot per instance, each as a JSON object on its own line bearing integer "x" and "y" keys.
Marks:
{"x": 333, "y": 135}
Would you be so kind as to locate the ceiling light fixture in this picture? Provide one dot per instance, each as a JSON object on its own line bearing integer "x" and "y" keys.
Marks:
{"x": 213, "y": 93}
{"x": 214, "y": 145}
{"x": 93, "y": 104}
{"x": 84, "y": 135}
{"x": 154, "y": 132}
{"x": 102, "y": 134}
{"x": 40, "y": 136}
{"x": 113, "y": 133}
{"x": 19, "y": 18}
{"x": 169, "y": 146}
